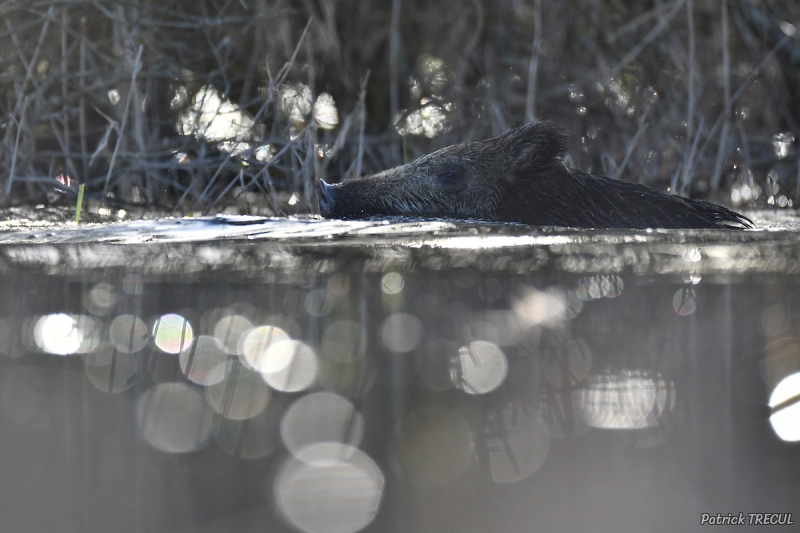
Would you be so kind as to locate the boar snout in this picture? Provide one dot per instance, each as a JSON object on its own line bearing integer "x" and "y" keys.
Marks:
{"x": 326, "y": 201}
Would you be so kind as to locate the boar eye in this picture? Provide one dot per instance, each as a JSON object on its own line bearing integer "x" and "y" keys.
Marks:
{"x": 450, "y": 180}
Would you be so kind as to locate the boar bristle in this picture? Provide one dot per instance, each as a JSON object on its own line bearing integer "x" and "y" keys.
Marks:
{"x": 535, "y": 145}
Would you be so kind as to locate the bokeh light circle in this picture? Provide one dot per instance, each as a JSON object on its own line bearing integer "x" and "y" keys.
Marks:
{"x": 483, "y": 367}
{"x": 785, "y": 404}
{"x": 128, "y": 333}
{"x": 133, "y": 284}
{"x": 100, "y": 299}
{"x": 392, "y": 283}
{"x": 684, "y": 301}
{"x": 401, "y": 332}
{"x": 240, "y": 395}
{"x": 204, "y": 362}
{"x": 330, "y": 488}
{"x": 174, "y": 418}
{"x": 256, "y": 343}
{"x": 230, "y": 330}
{"x": 172, "y": 333}
{"x": 111, "y": 371}
{"x": 319, "y": 302}
{"x": 58, "y": 334}
{"x": 321, "y": 417}
{"x": 344, "y": 341}
{"x": 290, "y": 366}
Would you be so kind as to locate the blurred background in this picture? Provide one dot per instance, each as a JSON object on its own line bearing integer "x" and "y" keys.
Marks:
{"x": 239, "y": 106}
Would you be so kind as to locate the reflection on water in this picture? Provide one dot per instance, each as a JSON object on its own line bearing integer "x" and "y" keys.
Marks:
{"x": 387, "y": 377}
{"x": 626, "y": 401}
{"x": 784, "y": 403}
{"x": 329, "y": 488}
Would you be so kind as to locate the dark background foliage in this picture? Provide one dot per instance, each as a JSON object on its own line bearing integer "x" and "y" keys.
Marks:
{"x": 701, "y": 97}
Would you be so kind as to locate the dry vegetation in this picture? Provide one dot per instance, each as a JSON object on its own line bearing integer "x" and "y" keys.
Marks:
{"x": 211, "y": 105}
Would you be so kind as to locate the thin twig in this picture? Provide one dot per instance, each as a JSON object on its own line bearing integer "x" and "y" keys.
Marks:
{"x": 690, "y": 82}
{"x": 530, "y": 97}
{"x": 16, "y": 149}
{"x": 362, "y": 107}
{"x": 394, "y": 63}
{"x": 725, "y": 116}
{"x": 632, "y": 145}
{"x": 287, "y": 67}
{"x": 797, "y": 185}
{"x": 34, "y": 58}
{"x": 310, "y": 134}
{"x": 121, "y": 132}
{"x": 308, "y": 166}
{"x": 69, "y": 164}
{"x": 652, "y": 34}
{"x": 499, "y": 124}
{"x": 82, "y": 102}
{"x": 225, "y": 191}
{"x": 638, "y": 21}
{"x": 726, "y": 66}
{"x": 199, "y": 203}
{"x": 748, "y": 161}
{"x": 688, "y": 166}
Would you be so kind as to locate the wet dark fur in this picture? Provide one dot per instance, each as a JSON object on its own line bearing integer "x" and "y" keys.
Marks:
{"x": 517, "y": 177}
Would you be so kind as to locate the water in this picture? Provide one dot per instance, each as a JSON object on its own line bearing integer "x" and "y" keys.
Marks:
{"x": 303, "y": 375}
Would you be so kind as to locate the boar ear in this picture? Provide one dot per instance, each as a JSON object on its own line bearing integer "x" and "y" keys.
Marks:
{"x": 533, "y": 146}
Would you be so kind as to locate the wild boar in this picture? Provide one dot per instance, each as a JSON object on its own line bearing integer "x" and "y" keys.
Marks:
{"x": 516, "y": 177}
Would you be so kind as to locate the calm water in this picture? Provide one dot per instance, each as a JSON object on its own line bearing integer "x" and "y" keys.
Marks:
{"x": 246, "y": 375}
